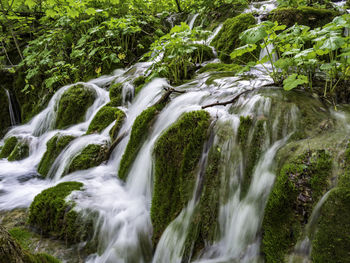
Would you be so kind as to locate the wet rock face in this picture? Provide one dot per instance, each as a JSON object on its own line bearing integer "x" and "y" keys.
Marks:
{"x": 73, "y": 105}
{"x": 299, "y": 185}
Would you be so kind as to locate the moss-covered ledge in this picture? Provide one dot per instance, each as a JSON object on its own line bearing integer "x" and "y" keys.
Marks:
{"x": 307, "y": 16}
{"x": 52, "y": 215}
{"x": 73, "y": 105}
{"x": 177, "y": 153}
{"x": 9, "y": 145}
{"x": 228, "y": 37}
{"x": 53, "y": 149}
{"x": 300, "y": 183}
{"x": 105, "y": 116}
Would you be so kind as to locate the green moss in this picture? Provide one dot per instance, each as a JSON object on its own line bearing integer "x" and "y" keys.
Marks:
{"x": 105, "y": 116}
{"x": 204, "y": 227}
{"x": 228, "y": 37}
{"x": 41, "y": 258}
{"x": 116, "y": 94}
{"x": 177, "y": 153}
{"x": 251, "y": 148}
{"x": 113, "y": 133}
{"x": 308, "y": 16}
{"x": 139, "y": 132}
{"x": 73, "y": 105}
{"x": 300, "y": 184}
{"x": 54, "y": 147}
{"x": 91, "y": 156}
{"x": 331, "y": 241}
{"x": 219, "y": 67}
{"x": 54, "y": 216}
{"x": 8, "y": 147}
{"x": 20, "y": 152}
{"x": 22, "y": 236}
{"x": 139, "y": 83}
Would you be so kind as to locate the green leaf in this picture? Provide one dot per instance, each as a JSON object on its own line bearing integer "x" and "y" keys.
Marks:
{"x": 333, "y": 43}
{"x": 242, "y": 50}
{"x": 253, "y": 35}
{"x": 294, "y": 81}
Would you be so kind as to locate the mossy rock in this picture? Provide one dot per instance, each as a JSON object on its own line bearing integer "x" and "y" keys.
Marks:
{"x": 5, "y": 121}
{"x": 228, "y": 37}
{"x": 53, "y": 149}
{"x": 139, "y": 132}
{"x": 91, "y": 156}
{"x": 73, "y": 105}
{"x": 105, "y": 116}
{"x": 300, "y": 183}
{"x": 52, "y": 215}
{"x": 113, "y": 133}
{"x": 139, "y": 83}
{"x": 9, "y": 146}
{"x": 116, "y": 94}
{"x": 220, "y": 67}
{"x": 308, "y": 16}
{"x": 20, "y": 152}
{"x": 331, "y": 242}
{"x": 204, "y": 228}
{"x": 177, "y": 153}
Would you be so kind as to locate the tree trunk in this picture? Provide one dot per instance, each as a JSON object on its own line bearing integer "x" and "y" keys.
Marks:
{"x": 178, "y": 6}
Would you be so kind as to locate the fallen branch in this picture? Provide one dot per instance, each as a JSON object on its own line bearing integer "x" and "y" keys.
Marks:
{"x": 114, "y": 144}
{"x": 227, "y": 102}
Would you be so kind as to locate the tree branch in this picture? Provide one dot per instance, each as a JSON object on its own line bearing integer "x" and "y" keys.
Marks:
{"x": 224, "y": 103}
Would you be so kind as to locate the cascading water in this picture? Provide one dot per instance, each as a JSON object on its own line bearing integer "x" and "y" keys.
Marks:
{"x": 11, "y": 110}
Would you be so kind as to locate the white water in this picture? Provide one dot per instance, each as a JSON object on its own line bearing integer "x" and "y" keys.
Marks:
{"x": 192, "y": 20}
{"x": 11, "y": 111}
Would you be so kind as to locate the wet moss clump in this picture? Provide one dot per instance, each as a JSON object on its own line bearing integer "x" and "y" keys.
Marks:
{"x": 8, "y": 147}
{"x": 300, "y": 183}
{"x": 331, "y": 242}
{"x": 308, "y": 16}
{"x": 251, "y": 136}
{"x": 204, "y": 227}
{"x": 52, "y": 215}
{"x": 228, "y": 37}
{"x": 116, "y": 94}
{"x": 91, "y": 156}
{"x": 53, "y": 149}
{"x": 113, "y": 133}
{"x": 20, "y": 152}
{"x": 220, "y": 67}
{"x": 139, "y": 132}
{"x": 103, "y": 118}
{"x": 177, "y": 153}
{"x": 73, "y": 105}
{"x": 139, "y": 83}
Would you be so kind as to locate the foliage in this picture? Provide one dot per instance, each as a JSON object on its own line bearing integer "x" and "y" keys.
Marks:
{"x": 176, "y": 53}
{"x": 177, "y": 153}
{"x": 303, "y": 54}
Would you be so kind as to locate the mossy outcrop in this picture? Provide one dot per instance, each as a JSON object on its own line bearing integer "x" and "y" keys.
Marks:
{"x": 52, "y": 215}
{"x": 139, "y": 132}
{"x": 116, "y": 94}
{"x": 300, "y": 183}
{"x": 251, "y": 136}
{"x": 91, "y": 156}
{"x": 53, "y": 149}
{"x": 331, "y": 241}
{"x": 9, "y": 145}
{"x": 177, "y": 153}
{"x": 113, "y": 133}
{"x": 308, "y": 16}
{"x": 20, "y": 152}
{"x": 228, "y": 37}
{"x": 73, "y": 105}
{"x": 105, "y": 116}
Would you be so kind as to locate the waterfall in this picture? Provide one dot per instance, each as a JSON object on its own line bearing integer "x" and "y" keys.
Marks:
{"x": 13, "y": 116}
{"x": 192, "y": 20}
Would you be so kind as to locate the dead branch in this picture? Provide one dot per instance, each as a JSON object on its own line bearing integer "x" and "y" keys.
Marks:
{"x": 224, "y": 103}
